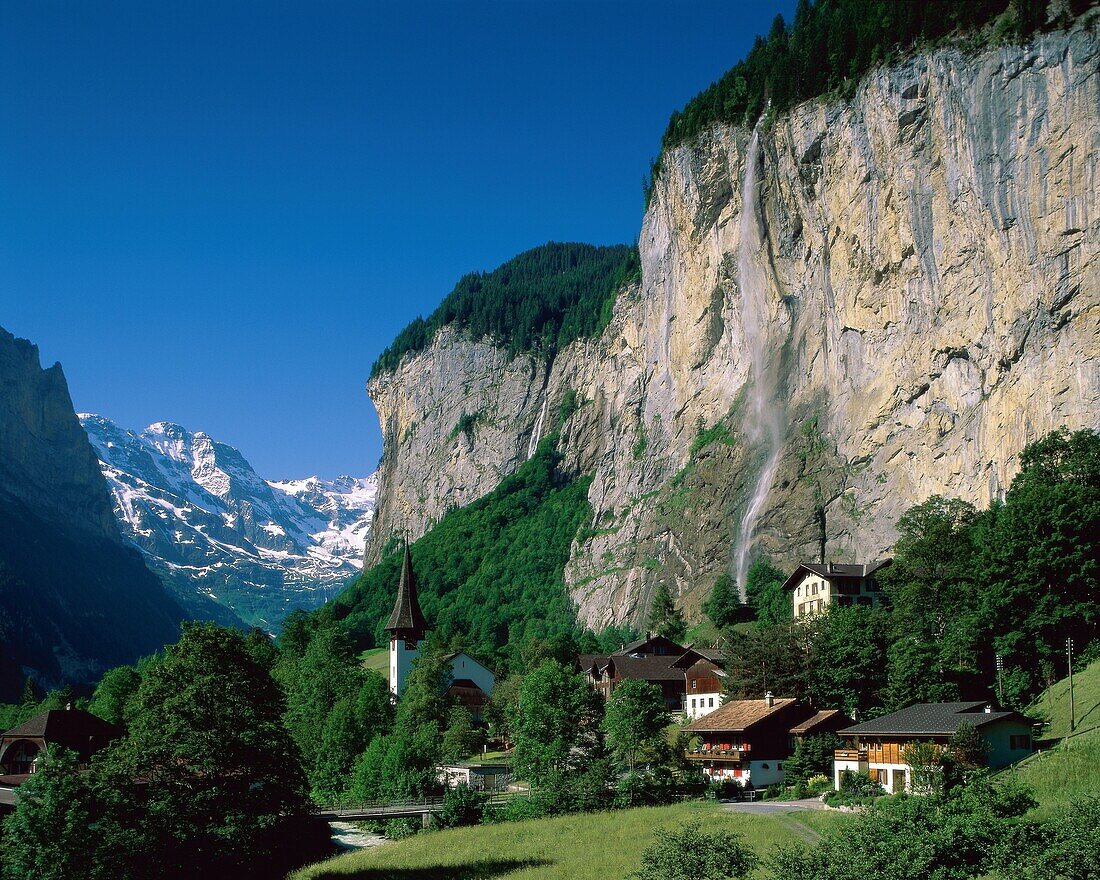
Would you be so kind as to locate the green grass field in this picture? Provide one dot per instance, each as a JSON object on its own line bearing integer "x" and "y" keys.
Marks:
{"x": 1070, "y": 771}
{"x": 377, "y": 659}
{"x": 595, "y": 846}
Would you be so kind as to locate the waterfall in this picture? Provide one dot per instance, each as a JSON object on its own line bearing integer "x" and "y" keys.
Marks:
{"x": 764, "y": 422}
{"x": 536, "y": 433}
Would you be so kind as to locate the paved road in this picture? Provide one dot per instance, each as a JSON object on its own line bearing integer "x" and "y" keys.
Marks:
{"x": 781, "y": 811}
{"x": 768, "y": 807}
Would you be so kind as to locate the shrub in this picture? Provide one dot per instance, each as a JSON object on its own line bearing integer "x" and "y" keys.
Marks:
{"x": 692, "y": 854}
{"x": 461, "y": 806}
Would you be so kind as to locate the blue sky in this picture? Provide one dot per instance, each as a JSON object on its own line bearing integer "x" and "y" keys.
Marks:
{"x": 219, "y": 213}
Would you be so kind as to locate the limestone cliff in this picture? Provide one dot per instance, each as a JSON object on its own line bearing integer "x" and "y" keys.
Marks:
{"x": 859, "y": 305}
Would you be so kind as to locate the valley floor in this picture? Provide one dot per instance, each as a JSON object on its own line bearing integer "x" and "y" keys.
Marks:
{"x": 594, "y": 846}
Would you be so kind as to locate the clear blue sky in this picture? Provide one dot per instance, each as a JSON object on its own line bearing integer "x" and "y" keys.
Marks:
{"x": 219, "y": 213}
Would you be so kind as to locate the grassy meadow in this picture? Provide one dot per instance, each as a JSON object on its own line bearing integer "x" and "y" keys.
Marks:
{"x": 593, "y": 846}
{"x": 1060, "y": 775}
{"x": 377, "y": 659}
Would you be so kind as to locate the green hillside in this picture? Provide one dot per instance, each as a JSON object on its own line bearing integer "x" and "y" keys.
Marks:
{"x": 1068, "y": 771}
{"x": 541, "y": 299}
{"x": 590, "y": 846}
{"x": 491, "y": 571}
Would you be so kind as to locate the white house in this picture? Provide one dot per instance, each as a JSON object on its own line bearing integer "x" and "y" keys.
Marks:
{"x": 813, "y": 587}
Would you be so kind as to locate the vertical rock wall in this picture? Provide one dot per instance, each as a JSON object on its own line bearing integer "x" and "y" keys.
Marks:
{"x": 932, "y": 304}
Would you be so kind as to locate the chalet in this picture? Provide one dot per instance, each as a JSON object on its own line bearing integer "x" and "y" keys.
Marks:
{"x": 813, "y": 587}
{"x": 650, "y": 659}
{"x": 748, "y": 740}
{"x": 23, "y": 748}
{"x": 471, "y": 681}
{"x": 825, "y": 721}
{"x": 704, "y": 680}
{"x": 876, "y": 747}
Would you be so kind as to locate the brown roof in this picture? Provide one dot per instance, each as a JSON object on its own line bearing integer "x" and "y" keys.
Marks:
{"x": 467, "y": 693}
{"x": 693, "y": 655}
{"x": 651, "y": 644}
{"x": 646, "y": 668}
{"x": 65, "y": 727}
{"x": 585, "y": 661}
{"x": 832, "y": 570}
{"x": 407, "y": 618}
{"x": 821, "y": 721}
{"x": 740, "y": 714}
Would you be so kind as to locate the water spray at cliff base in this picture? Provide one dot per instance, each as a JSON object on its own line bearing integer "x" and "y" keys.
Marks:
{"x": 764, "y": 421}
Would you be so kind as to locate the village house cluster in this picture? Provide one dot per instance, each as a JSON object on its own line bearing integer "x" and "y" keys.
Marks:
{"x": 748, "y": 741}
{"x": 744, "y": 741}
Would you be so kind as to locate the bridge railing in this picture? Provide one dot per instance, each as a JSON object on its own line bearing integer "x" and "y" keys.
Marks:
{"x": 384, "y": 807}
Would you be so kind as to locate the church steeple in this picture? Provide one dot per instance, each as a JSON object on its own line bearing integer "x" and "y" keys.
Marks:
{"x": 407, "y": 620}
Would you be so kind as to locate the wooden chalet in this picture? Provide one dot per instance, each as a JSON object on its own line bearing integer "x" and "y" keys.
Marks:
{"x": 747, "y": 741}
{"x": 23, "y": 748}
{"x": 650, "y": 659}
{"x": 877, "y": 747}
{"x": 704, "y": 680}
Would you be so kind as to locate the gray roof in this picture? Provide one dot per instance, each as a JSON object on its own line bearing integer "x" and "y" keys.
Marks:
{"x": 831, "y": 570}
{"x": 931, "y": 719}
{"x": 407, "y": 618}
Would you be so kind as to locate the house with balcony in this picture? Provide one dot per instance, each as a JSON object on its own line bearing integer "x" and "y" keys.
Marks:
{"x": 24, "y": 747}
{"x": 747, "y": 741}
{"x": 877, "y": 747}
{"x": 814, "y": 587}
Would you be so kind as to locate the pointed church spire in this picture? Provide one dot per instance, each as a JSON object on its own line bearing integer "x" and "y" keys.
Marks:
{"x": 407, "y": 620}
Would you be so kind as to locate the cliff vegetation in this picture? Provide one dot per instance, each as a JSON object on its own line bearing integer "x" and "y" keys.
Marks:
{"x": 542, "y": 300}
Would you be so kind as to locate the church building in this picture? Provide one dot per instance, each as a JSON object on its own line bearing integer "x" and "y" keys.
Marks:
{"x": 471, "y": 681}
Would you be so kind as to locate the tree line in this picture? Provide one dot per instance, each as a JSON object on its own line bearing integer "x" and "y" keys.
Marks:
{"x": 831, "y": 44}
{"x": 540, "y": 300}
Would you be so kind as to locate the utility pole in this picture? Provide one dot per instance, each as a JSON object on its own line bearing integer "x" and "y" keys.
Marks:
{"x": 1069, "y": 657}
{"x": 1000, "y": 690}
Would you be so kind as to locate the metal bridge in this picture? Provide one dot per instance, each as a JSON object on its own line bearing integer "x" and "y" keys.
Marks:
{"x": 403, "y": 809}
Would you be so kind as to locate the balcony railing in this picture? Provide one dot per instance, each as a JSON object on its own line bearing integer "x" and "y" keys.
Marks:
{"x": 716, "y": 754}
{"x": 850, "y": 755}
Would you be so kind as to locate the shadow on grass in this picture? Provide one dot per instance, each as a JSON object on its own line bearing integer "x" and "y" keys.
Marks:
{"x": 483, "y": 869}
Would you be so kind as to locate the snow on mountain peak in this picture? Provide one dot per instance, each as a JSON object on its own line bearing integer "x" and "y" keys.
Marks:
{"x": 209, "y": 524}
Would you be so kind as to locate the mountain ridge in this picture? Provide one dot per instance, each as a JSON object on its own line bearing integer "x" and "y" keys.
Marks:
{"x": 220, "y": 535}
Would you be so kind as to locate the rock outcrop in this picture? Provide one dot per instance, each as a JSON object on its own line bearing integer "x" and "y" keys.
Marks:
{"x": 74, "y": 598}
{"x": 910, "y": 287}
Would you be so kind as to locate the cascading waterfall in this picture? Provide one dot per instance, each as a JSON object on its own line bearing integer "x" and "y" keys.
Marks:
{"x": 536, "y": 433}
{"x": 764, "y": 424}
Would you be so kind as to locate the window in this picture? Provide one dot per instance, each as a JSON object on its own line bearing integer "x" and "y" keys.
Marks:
{"x": 1022, "y": 741}
{"x": 711, "y": 702}
{"x": 765, "y": 767}
{"x": 779, "y": 766}
{"x": 694, "y": 684}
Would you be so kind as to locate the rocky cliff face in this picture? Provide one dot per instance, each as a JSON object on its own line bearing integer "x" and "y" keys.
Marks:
{"x": 864, "y": 304}
{"x": 46, "y": 461}
{"x": 74, "y": 599}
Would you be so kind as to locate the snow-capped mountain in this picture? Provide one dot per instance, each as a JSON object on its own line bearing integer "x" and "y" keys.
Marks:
{"x": 215, "y": 530}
